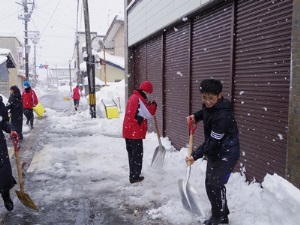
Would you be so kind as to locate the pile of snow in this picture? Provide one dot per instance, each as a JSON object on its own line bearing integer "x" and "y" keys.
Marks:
{"x": 97, "y": 81}
{"x": 113, "y": 94}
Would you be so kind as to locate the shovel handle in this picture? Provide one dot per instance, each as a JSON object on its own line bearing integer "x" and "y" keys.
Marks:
{"x": 15, "y": 141}
{"x": 191, "y": 140}
{"x": 192, "y": 126}
{"x": 156, "y": 127}
{"x": 19, "y": 171}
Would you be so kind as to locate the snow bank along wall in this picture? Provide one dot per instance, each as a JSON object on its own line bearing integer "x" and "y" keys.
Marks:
{"x": 245, "y": 44}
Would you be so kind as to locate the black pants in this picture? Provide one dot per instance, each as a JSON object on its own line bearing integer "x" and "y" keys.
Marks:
{"x": 135, "y": 157}
{"x": 217, "y": 175}
{"x": 29, "y": 116}
{"x": 76, "y": 103}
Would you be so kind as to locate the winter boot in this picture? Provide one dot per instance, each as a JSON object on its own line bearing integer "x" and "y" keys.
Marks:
{"x": 139, "y": 179}
{"x": 8, "y": 203}
{"x": 213, "y": 221}
{"x": 217, "y": 220}
{"x": 225, "y": 220}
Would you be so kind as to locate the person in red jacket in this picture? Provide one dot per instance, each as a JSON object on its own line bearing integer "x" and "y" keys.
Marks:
{"x": 30, "y": 100}
{"x": 138, "y": 110}
{"x": 76, "y": 96}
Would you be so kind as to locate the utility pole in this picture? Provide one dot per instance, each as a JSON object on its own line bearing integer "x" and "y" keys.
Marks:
{"x": 34, "y": 37}
{"x": 104, "y": 64}
{"x": 26, "y": 18}
{"x": 70, "y": 76}
{"x": 79, "y": 77}
{"x": 26, "y": 41}
{"x": 90, "y": 63}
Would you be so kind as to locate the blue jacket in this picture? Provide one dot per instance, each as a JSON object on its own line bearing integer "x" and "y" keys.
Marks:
{"x": 220, "y": 131}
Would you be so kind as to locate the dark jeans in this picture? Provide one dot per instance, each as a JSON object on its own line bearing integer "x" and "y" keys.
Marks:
{"x": 135, "y": 157}
{"x": 76, "y": 103}
{"x": 29, "y": 116}
{"x": 217, "y": 175}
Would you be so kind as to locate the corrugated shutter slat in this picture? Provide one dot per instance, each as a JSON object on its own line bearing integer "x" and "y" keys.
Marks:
{"x": 262, "y": 63}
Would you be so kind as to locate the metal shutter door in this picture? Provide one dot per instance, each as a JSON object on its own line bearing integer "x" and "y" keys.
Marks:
{"x": 155, "y": 76}
{"x": 211, "y": 55}
{"x": 177, "y": 85}
{"x": 140, "y": 64}
{"x": 262, "y": 76}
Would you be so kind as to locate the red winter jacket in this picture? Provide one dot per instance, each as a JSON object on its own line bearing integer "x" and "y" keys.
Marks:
{"x": 29, "y": 99}
{"x": 135, "y": 126}
{"x": 76, "y": 93}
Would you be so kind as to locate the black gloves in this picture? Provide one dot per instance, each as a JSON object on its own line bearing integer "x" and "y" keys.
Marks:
{"x": 137, "y": 117}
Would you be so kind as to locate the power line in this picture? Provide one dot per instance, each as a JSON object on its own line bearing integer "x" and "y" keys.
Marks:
{"x": 65, "y": 25}
{"x": 51, "y": 17}
{"x": 13, "y": 14}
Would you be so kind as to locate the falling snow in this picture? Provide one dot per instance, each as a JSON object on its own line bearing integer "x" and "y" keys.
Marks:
{"x": 280, "y": 136}
{"x": 184, "y": 19}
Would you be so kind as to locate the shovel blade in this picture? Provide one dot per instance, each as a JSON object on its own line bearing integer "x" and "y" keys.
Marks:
{"x": 189, "y": 198}
{"x": 26, "y": 200}
{"x": 194, "y": 201}
{"x": 158, "y": 157}
{"x": 183, "y": 194}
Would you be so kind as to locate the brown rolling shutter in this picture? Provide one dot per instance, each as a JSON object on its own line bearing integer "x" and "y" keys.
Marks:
{"x": 176, "y": 90}
{"x": 140, "y": 64}
{"x": 262, "y": 76}
{"x": 211, "y": 54}
{"x": 155, "y": 76}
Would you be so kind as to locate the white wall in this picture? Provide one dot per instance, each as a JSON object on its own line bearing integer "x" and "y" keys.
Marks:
{"x": 149, "y": 16}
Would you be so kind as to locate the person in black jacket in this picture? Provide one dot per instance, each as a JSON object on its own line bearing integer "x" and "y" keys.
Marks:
{"x": 221, "y": 146}
{"x": 7, "y": 180}
{"x": 15, "y": 106}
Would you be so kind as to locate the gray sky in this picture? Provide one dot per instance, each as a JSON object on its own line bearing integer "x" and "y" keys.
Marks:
{"x": 56, "y": 21}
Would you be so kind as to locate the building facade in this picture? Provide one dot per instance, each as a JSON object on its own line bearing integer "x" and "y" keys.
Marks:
{"x": 7, "y": 69}
{"x": 245, "y": 44}
{"x": 114, "y": 38}
{"x": 11, "y": 42}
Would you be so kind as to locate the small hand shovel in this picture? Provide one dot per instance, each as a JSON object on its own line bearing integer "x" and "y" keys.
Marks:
{"x": 23, "y": 197}
{"x": 160, "y": 151}
{"x": 189, "y": 196}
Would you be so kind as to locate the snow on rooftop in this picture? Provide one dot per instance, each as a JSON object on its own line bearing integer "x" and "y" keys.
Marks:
{"x": 117, "y": 60}
{"x": 4, "y": 51}
{"x": 2, "y": 59}
{"x": 119, "y": 17}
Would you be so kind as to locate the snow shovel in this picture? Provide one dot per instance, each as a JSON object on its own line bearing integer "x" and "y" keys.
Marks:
{"x": 160, "y": 151}
{"x": 23, "y": 197}
{"x": 189, "y": 196}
